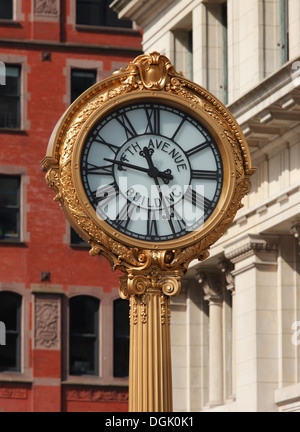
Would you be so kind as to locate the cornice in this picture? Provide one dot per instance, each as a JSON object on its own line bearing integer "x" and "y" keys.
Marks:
{"x": 68, "y": 46}
{"x": 251, "y": 245}
{"x": 142, "y": 12}
{"x": 264, "y": 90}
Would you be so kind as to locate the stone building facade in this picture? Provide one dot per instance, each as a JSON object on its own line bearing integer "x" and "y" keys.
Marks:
{"x": 236, "y": 324}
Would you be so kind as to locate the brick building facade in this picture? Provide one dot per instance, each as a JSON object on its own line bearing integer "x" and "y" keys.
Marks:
{"x": 66, "y": 331}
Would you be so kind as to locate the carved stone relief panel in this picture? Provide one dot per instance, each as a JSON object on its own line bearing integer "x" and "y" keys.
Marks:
{"x": 48, "y": 8}
{"x": 47, "y": 322}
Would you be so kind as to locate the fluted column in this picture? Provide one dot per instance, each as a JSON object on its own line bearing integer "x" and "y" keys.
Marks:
{"x": 227, "y": 268}
{"x": 212, "y": 287}
{"x": 150, "y": 367}
{"x": 150, "y": 358}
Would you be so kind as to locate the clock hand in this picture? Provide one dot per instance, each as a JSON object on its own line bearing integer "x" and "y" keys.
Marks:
{"x": 153, "y": 171}
{"x": 163, "y": 175}
{"x": 167, "y": 215}
{"x": 147, "y": 154}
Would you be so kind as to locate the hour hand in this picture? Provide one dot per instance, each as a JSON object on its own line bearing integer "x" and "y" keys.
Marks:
{"x": 126, "y": 165}
{"x": 153, "y": 171}
{"x": 166, "y": 176}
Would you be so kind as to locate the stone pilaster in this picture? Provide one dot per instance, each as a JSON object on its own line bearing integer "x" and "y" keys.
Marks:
{"x": 227, "y": 268}
{"x": 212, "y": 287}
{"x": 255, "y": 272}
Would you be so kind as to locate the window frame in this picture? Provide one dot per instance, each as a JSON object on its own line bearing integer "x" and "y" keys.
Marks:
{"x": 96, "y": 335}
{"x": 77, "y": 69}
{"x": 100, "y": 26}
{"x": 13, "y": 13}
{"x": 22, "y": 62}
{"x": 13, "y": 208}
{"x": 21, "y": 172}
{"x": 19, "y": 320}
{"x": 17, "y": 15}
{"x": 120, "y": 301}
{"x": 18, "y": 98}
{"x": 105, "y": 375}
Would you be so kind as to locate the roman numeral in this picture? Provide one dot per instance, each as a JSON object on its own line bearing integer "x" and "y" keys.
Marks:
{"x": 98, "y": 139}
{"x": 153, "y": 118}
{"x": 179, "y": 127}
{"x": 205, "y": 175}
{"x": 124, "y": 215}
{"x": 127, "y": 125}
{"x": 177, "y": 220}
{"x": 100, "y": 170}
{"x": 104, "y": 194}
{"x": 196, "y": 149}
{"x": 152, "y": 229}
{"x": 198, "y": 200}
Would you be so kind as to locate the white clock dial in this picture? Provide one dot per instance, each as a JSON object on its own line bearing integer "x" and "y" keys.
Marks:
{"x": 152, "y": 171}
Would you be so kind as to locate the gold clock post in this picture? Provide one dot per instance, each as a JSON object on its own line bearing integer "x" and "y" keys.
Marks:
{"x": 151, "y": 268}
{"x": 149, "y": 292}
{"x": 150, "y": 375}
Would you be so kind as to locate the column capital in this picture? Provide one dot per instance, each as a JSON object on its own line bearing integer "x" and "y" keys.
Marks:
{"x": 295, "y": 230}
{"x": 211, "y": 283}
{"x": 226, "y": 267}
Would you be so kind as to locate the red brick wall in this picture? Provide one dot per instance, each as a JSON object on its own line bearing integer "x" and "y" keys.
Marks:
{"x": 46, "y": 248}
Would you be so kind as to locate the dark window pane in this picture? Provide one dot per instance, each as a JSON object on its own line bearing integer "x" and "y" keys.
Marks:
{"x": 98, "y": 13}
{"x": 76, "y": 240}
{"x": 121, "y": 338}
{"x": 82, "y": 354}
{"x": 6, "y": 9}
{"x": 9, "y": 207}
{"x": 81, "y": 80}
{"x": 10, "y": 315}
{"x": 84, "y": 335}
{"x": 10, "y": 99}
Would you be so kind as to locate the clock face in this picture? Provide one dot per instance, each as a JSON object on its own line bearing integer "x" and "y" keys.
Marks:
{"x": 152, "y": 171}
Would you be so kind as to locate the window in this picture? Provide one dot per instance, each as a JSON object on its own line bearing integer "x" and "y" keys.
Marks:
{"x": 98, "y": 13}
{"x": 81, "y": 80}
{"x": 76, "y": 240}
{"x": 217, "y": 50}
{"x": 284, "y": 30}
{"x": 84, "y": 335}
{"x": 183, "y": 49}
{"x": 10, "y": 315}
{"x": 6, "y": 9}
{"x": 10, "y": 99}
{"x": 10, "y": 208}
{"x": 121, "y": 338}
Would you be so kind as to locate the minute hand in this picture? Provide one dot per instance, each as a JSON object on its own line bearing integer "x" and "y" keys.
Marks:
{"x": 139, "y": 168}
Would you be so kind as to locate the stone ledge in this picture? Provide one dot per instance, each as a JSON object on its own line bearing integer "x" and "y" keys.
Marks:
{"x": 288, "y": 395}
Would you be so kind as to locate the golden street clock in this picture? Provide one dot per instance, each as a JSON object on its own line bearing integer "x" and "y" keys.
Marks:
{"x": 148, "y": 160}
